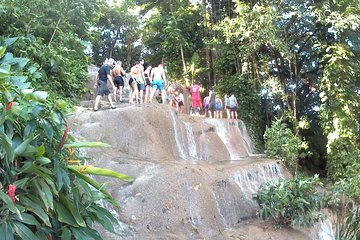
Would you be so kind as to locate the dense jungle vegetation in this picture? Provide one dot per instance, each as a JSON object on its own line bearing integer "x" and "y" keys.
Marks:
{"x": 293, "y": 65}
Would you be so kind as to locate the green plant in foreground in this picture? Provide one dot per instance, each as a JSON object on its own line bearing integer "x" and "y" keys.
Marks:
{"x": 294, "y": 202}
{"x": 281, "y": 143}
{"x": 42, "y": 194}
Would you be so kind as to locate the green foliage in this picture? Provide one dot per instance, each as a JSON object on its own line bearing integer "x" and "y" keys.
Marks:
{"x": 281, "y": 143}
{"x": 117, "y": 34}
{"x": 294, "y": 202}
{"x": 339, "y": 197}
{"x": 41, "y": 195}
{"x": 53, "y": 36}
{"x": 170, "y": 29}
{"x": 348, "y": 227}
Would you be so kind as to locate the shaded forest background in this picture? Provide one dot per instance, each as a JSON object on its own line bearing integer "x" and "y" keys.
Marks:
{"x": 293, "y": 63}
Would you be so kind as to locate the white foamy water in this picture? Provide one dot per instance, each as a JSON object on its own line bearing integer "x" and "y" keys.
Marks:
{"x": 191, "y": 140}
{"x": 231, "y": 135}
{"x": 179, "y": 143}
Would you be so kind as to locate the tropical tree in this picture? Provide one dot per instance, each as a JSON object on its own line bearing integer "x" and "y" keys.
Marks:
{"x": 118, "y": 34}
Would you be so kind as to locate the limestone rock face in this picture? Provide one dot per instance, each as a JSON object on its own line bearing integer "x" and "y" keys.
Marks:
{"x": 193, "y": 177}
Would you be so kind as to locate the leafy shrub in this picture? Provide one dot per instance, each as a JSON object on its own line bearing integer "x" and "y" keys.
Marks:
{"x": 281, "y": 143}
{"x": 293, "y": 202}
{"x": 339, "y": 198}
{"x": 42, "y": 196}
{"x": 342, "y": 159}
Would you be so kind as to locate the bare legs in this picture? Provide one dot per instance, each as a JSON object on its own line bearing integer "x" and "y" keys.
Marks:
{"x": 97, "y": 101}
{"x": 147, "y": 93}
{"x": 120, "y": 91}
{"x": 133, "y": 92}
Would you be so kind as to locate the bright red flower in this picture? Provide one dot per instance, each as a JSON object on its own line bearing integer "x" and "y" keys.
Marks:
{"x": 9, "y": 105}
{"x": 11, "y": 193}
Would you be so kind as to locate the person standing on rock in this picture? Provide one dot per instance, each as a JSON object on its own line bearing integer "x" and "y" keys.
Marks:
{"x": 158, "y": 79}
{"x": 218, "y": 107}
{"x": 141, "y": 81}
{"x": 134, "y": 77}
{"x": 233, "y": 106}
{"x": 195, "y": 98}
{"x": 118, "y": 73}
{"x": 227, "y": 106}
{"x": 147, "y": 74}
{"x": 101, "y": 79}
{"x": 211, "y": 108}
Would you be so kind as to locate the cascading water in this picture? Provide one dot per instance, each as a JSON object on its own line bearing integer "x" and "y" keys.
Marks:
{"x": 179, "y": 142}
{"x": 191, "y": 141}
{"x": 232, "y": 136}
{"x": 201, "y": 196}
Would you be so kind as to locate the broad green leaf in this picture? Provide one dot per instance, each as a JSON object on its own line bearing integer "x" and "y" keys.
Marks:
{"x": 55, "y": 117}
{"x": 85, "y": 233}
{"x": 23, "y": 231}
{"x": 102, "y": 172}
{"x": 28, "y": 219}
{"x": 64, "y": 215}
{"x": 6, "y": 231}
{"x": 62, "y": 176}
{"x": 9, "y": 204}
{"x": 10, "y": 41}
{"x": 6, "y": 144}
{"x": 96, "y": 185}
{"x": 21, "y": 182}
{"x": 85, "y": 186}
{"x": 34, "y": 207}
{"x": 37, "y": 75}
{"x": 86, "y": 145}
{"x": 47, "y": 127}
{"x": 30, "y": 128}
{"x": 43, "y": 160}
{"x": 2, "y": 51}
{"x": 105, "y": 218}
{"x": 44, "y": 192}
{"x": 22, "y": 147}
{"x": 75, "y": 212}
{"x": 66, "y": 233}
{"x": 37, "y": 110}
{"x": 51, "y": 183}
{"x": 4, "y": 73}
{"x": 20, "y": 82}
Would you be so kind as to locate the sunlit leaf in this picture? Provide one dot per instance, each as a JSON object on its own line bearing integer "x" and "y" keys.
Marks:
{"x": 86, "y": 145}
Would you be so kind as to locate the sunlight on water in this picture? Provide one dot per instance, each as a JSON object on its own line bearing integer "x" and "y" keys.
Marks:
{"x": 191, "y": 140}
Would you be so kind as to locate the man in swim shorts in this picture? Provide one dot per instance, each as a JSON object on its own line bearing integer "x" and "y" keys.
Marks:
{"x": 118, "y": 73}
{"x": 158, "y": 79}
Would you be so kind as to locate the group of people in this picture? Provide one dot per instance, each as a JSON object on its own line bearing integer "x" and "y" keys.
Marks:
{"x": 144, "y": 83}
{"x": 212, "y": 105}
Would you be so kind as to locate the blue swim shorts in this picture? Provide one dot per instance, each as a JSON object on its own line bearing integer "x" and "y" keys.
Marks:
{"x": 158, "y": 83}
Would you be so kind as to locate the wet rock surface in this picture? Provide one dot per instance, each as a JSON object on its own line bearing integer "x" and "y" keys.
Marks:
{"x": 185, "y": 184}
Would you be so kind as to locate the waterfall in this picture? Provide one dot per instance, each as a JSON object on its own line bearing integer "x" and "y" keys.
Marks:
{"x": 234, "y": 195}
{"x": 179, "y": 143}
{"x": 195, "y": 217}
{"x": 191, "y": 140}
{"x": 246, "y": 137}
{"x": 231, "y": 135}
